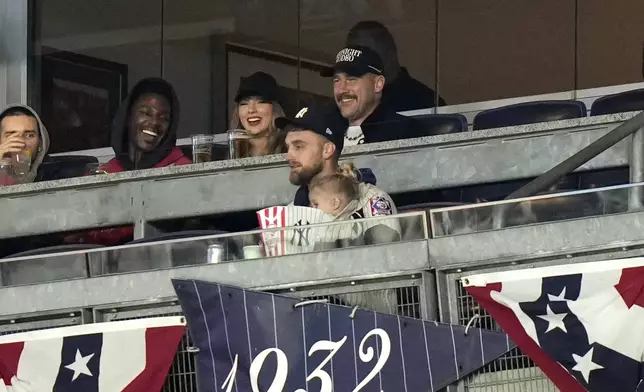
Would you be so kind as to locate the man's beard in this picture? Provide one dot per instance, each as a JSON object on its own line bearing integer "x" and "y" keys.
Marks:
{"x": 304, "y": 176}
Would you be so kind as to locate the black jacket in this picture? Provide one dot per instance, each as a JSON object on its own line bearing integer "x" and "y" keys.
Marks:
{"x": 384, "y": 124}
{"x": 406, "y": 93}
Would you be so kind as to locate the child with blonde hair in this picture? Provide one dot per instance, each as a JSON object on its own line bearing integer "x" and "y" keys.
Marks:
{"x": 337, "y": 193}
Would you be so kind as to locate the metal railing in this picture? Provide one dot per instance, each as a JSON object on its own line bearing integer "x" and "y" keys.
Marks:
{"x": 587, "y": 153}
{"x": 142, "y": 198}
{"x": 634, "y": 126}
{"x": 417, "y": 273}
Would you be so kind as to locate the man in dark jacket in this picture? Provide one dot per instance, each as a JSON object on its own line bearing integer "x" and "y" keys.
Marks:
{"x": 358, "y": 83}
{"x": 402, "y": 92}
{"x": 144, "y": 130}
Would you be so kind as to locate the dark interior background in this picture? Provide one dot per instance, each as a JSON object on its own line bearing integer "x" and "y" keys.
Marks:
{"x": 470, "y": 50}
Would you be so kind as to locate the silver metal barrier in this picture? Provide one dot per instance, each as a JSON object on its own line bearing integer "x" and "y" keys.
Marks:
{"x": 411, "y": 273}
{"x": 146, "y": 196}
{"x": 44, "y": 320}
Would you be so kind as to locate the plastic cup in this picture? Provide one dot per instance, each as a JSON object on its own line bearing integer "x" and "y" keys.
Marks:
{"x": 238, "y": 143}
{"x": 202, "y": 148}
{"x": 21, "y": 162}
{"x": 252, "y": 252}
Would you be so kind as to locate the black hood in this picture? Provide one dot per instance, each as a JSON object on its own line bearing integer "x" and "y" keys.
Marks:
{"x": 120, "y": 136}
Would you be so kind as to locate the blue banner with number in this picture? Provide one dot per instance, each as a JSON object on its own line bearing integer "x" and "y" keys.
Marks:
{"x": 253, "y": 341}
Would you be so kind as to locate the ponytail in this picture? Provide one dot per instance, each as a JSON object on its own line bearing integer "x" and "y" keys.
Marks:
{"x": 345, "y": 180}
{"x": 349, "y": 171}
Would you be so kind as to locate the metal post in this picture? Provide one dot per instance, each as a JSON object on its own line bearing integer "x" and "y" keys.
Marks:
{"x": 142, "y": 228}
{"x": 13, "y": 51}
{"x": 428, "y": 296}
{"x": 498, "y": 216}
{"x": 636, "y": 168}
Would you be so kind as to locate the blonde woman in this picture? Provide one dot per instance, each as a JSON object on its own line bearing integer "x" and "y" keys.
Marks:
{"x": 255, "y": 111}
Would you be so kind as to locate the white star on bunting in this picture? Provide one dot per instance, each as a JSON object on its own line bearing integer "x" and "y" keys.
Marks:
{"x": 555, "y": 320}
{"x": 585, "y": 364}
{"x": 560, "y": 297}
{"x": 80, "y": 365}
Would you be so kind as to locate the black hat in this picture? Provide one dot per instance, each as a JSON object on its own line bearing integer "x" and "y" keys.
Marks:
{"x": 325, "y": 121}
{"x": 356, "y": 61}
{"x": 258, "y": 84}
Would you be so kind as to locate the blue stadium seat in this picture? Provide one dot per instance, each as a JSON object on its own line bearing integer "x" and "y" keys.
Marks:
{"x": 628, "y": 101}
{"x": 440, "y": 124}
{"x": 529, "y": 113}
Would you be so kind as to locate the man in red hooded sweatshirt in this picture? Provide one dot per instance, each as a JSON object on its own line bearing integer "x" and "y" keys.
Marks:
{"x": 144, "y": 136}
{"x": 144, "y": 131}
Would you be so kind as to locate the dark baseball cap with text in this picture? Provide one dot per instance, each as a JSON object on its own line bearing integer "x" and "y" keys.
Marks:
{"x": 356, "y": 61}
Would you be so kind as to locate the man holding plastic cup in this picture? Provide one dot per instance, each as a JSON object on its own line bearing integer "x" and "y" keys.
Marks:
{"x": 23, "y": 145}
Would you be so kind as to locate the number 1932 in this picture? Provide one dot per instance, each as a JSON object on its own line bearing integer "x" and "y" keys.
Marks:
{"x": 279, "y": 381}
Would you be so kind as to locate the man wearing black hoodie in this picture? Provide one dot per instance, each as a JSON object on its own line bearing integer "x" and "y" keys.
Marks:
{"x": 144, "y": 136}
{"x": 358, "y": 84}
{"x": 144, "y": 130}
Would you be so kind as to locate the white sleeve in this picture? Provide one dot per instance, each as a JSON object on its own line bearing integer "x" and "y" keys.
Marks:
{"x": 376, "y": 203}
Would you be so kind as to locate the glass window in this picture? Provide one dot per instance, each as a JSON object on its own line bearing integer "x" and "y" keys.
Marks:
{"x": 86, "y": 54}
{"x": 611, "y": 42}
{"x": 412, "y": 23}
{"x": 505, "y": 48}
{"x": 210, "y": 46}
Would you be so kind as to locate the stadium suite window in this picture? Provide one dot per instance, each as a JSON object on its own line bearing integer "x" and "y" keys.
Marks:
{"x": 87, "y": 52}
